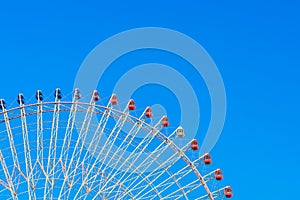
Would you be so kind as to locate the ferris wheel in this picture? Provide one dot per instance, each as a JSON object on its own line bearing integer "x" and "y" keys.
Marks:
{"x": 53, "y": 149}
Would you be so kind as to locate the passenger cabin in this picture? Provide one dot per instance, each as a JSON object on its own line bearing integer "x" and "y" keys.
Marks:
{"x": 148, "y": 112}
{"x": 194, "y": 145}
{"x": 207, "y": 159}
{"x": 95, "y": 96}
{"x": 2, "y": 104}
{"x": 165, "y": 121}
{"x": 218, "y": 175}
{"x": 39, "y": 95}
{"x": 77, "y": 94}
{"x": 113, "y": 99}
{"x": 20, "y": 99}
{"x": 180, "y": 132}
{"x": 228, "y": 192}
{"x": 131, "y": 104}
{"x": 57, "y": 94}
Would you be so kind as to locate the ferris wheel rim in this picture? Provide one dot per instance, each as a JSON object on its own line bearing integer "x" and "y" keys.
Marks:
{"x": 172, "y": 146}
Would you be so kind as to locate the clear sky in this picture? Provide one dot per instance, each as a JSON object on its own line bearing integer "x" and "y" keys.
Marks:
{"x": 255, "y": 45}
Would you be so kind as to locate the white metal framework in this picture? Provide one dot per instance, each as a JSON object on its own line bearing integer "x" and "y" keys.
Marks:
{"x": 54, "y": 150}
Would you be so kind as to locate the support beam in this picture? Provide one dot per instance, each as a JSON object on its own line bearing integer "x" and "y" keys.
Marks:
{"x": 27, "y": 156}
{"x": 8, "y": 178}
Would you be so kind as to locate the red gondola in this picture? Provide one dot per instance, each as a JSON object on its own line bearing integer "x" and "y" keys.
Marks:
{"x": 114, "y": 99}
{"x": 131, "y": 105}
{"x": 95, "y": 95}
{"x": 228, "y": 192}
{"x": 194, "y": 145}
{"x": 218, "y": 175}
{"x": 207, "y": 159}
{"x": 148, "y": 112}
{"x": 165, "y": 121}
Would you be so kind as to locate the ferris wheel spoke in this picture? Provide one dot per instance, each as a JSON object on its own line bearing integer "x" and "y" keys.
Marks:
{"x": 123, "y": 147}
{"x": 71, "y": 172}
{"x": 133, "y": 176}
{"x": 216, "y": 194}
{"x": 64, "y": 155}
{"x": 193, "y": 186}
{"x": 9, "y": 185}
{"x": 104, "y": 194}
{"x": 39, "y": 132}
{"x": 145, "y": 180}
{"x": 96, "y": 138}
{"x": 51, "y": 163}
{"x": 146, "y": 164}
{"x": 67, "y": 138}
{"x": 109, "y": 143}
{"x": 160, "y": 170}
{"x": 27, "y": 156}
{"x": 167, "y": 183}
{"x": 140, "y": 148}
{"x": 69, "y": 129}
{"x": 179, "y": 193}
{"x": 15, "y": 158}
{"x": 95, "y": 141}
{"x": 4, "y": 184}
{"x": 100, "y": 157}
{"x": 190, "y": 187}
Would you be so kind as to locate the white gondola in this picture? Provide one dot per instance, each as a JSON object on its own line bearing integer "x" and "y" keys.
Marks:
{"x": 180, "y": 132}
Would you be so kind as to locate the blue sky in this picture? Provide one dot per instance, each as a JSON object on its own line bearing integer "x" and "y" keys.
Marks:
{"x": 255, "y": 45}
